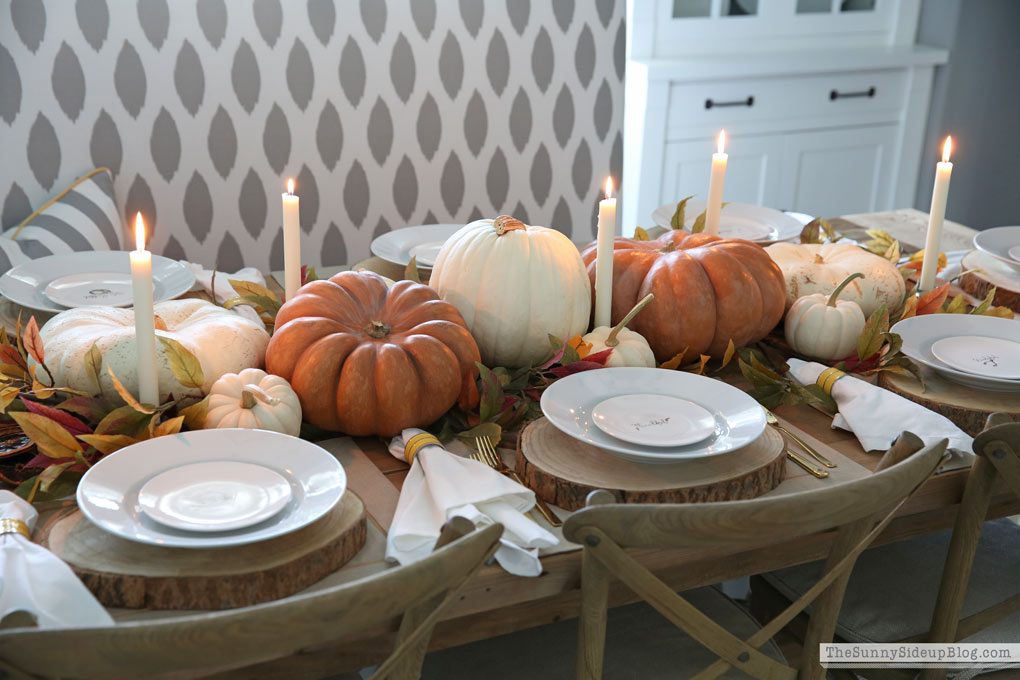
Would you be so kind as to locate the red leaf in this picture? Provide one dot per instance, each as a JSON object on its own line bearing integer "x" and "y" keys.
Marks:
{"x": 599, "y": 358}
{"x": 931, "y": 302}
{"x": 40, "y": 461}
{"x": 69, "y": 422}
{"x": 10, "y": 355}
{"x": 555, "y": 358}
{"x": 575, "y": 367}
{"x": 33, "y": 342}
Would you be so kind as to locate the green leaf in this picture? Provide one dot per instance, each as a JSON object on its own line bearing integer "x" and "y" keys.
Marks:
{"x": 50, "y": 474}
{"x": 699, "y": 223}
{"x": 125, "y": 420}
{"x": 248, "y": 289}
{"x": 491, "y": 431}
{"x": 570, "y": 355}
{"x": 641, "y": 235}
{"x": 871, "y": 338}
{"x": 986, "y": 303}
{"x": 491, "y": 398}
{"x": 411, "y": 270}
{"x": 61, "y": 487}
{"x": 185, "y": 365}
{"x": 958, "y": 305}
{"x": 311, "y": 274}
{"x": 677, "y": 221}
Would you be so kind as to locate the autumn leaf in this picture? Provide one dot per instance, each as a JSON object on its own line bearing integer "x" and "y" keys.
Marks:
{"x": 892, "y": 253}
{"x": 698, "y": 368}
{"x": 65, "y": 419}
{"x": 1003, "y": 312}
{"x": 641, "y": 235}
{"x": 931, "y": 302}
{"x": 94, "y": 364}
{"x": 10, "y": 355}
{"x": 871, "y": 338}
{"x": 308, "y": 274}
{"x": 491, "y": 431}
{"x": 172, "y": 426}
{"x": 728, "y": 354}
{"x": 92, "y": 409}
{"x": 599, "y": 357}
{"x": 50, "y": 474}
{"x": 580, "y": 346}
{"x": 51, "y": 438}
{"x": 124, "y": 420}
{"x": 411, "y": 270}
{"x": 194, "y": 415}
{"x": 8, "y": 395}
{"x": 185, "y": 365}
{"x": 674, "y": 363}
{"x": 108, "y": 443}
{"x": 128, "y": 398}
{"x": 909, "y": 307}
{"x": 33, "y": 342}
{"x": 38, "y": 389}
{"x": 958, "y": 305}
{"x": 258, "y": 294}
{"x": 699, "y": 224}
{"x": 677, "y": 221}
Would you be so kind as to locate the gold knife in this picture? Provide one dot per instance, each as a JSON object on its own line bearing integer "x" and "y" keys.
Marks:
{"x": 803, "y": 462}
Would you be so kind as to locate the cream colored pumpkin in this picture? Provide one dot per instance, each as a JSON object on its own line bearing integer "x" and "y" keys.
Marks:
{"x": 514, "y": 285}
{"x": 223, "y": 342}
{"x": 822, "y": 327}
{"x": 629, "y": 347}
{"x": 254, "y": 399}
{"x": 818, "y": 268}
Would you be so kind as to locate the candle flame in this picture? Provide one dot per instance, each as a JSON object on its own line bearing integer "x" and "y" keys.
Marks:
{"x": 609, "y": 187}
{"x": 139, "y": 232}
{"x": 947, "y": 149}
{"x": 290, "y": 187}
{"x": 720, "y": 142}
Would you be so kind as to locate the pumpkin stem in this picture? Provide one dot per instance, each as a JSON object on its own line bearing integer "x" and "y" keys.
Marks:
{"x": 505, "y": 223}
{"x": 611, "y": 340}
{"x": 247, "y": 399}
{"x": 378, "y": 329}
{"x": 252, "y": 393}
{"x": 840, "y": 287}
{"x": 160, "y": 324}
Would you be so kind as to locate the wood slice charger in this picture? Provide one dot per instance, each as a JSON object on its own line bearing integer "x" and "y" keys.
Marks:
{"x": 984, "y": 272}
{"x": 122, "y": 573}
{"x": 563, "y": 471}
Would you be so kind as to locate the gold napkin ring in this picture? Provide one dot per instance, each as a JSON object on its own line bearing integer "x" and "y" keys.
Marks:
{"x": 827, "y": 378}
{"x": 14, "y": 526}
{"x": 417, "y": 443}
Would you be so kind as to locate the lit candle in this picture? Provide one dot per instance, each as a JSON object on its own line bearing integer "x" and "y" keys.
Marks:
{"x": 145, "y": 319}
{"x": 291, "y": 241}
{"x": 604, "y": 257}
{"x": 936, "y": 217}
{"x": 715, "y": 186}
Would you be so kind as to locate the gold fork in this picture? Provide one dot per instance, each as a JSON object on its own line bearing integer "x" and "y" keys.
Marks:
{"x": 772, "y": 420}
{"x": 488, "y": 455}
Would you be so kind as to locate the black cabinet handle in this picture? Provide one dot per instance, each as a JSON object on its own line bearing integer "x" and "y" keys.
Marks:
{"x": 836, "y": 94}
{"x": 709, "y": 103}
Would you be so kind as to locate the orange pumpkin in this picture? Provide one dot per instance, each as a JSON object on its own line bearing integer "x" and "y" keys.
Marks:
{"x": 367, "y": 360}
{"x": 707, "y": 290}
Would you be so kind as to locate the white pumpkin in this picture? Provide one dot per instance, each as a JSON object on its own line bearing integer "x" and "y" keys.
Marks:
{"x": 514, "y": 285}
{"x": 256, "y": 400}
{"x": 823, "y": 327}
{"x": 818, "y": 268}
{"x": 223, "y": 342}
{"x": 629, "y": 347}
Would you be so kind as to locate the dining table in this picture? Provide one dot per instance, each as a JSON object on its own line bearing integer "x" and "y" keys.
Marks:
{"x": 495, "y": 602}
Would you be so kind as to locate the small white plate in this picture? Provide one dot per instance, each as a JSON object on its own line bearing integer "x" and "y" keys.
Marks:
{"x": 990, "y": 357}
{"x": 424, "y": 241}
{"x": 91, "y": 288}
{"x": 1014, "y": 253}
{"x": 215, "y": 496}
{"x": 653, "y": 420}
{"x": 1002, "y": 243}
{"x": 738, "y": 220}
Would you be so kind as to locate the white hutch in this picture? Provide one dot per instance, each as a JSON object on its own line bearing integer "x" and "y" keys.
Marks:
{"x": 824, "y": 103}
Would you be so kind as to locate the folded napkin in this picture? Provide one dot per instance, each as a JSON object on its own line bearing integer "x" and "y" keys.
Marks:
{"x": 442, "y": 485}
{"x": 877, "y": 416}
{"x": 34, "y": 580}
{"x": 224, "y": 291}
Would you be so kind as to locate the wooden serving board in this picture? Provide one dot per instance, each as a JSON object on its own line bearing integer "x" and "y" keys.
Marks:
{"x": 966, "y": 407}
{"x": 563, "y": 471}
{"x": 984, "y": 272}
{"x": 122, "y": 573}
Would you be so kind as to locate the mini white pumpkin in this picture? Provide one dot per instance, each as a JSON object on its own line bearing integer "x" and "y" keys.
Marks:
{"x": 514, "y": 285}
{"x": 824, "y": 327}
{"x": 254, "y": 399}
{"x": 629, "y": 347}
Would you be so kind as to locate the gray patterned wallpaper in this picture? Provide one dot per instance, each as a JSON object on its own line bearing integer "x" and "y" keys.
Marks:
{"x": 386, "y": 113}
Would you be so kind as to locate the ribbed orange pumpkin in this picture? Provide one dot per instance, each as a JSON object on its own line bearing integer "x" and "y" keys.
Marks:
{"x": 367, "y": 360}
{"x": 707, "y": 291}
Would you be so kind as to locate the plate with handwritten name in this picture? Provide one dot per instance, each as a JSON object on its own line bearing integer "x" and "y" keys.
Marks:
{"x": 992, "y": 357}
{"x": 653, "y": 420}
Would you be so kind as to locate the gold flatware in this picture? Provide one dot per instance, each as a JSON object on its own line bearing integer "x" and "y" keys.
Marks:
{"x": 487, "y": 454}
{"x": 772, "y": 420}
{"x": 803, "y": 462}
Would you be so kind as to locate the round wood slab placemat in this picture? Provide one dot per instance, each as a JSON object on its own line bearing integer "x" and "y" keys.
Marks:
{"x": 984, "y": 272}
{"x": 966, "y": 407}
{"x": 122, "y": 573}
{"x": 563, "y": 471}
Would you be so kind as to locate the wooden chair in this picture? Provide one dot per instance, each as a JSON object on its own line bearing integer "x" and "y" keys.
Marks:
{"x": 214, "y": 642}
{"x": 605, "y": 530}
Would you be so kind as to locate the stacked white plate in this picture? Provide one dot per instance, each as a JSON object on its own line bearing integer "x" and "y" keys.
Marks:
{"x": 977, "y": 351}
{"x": 211, "y": 488}
{"x": 422, "y": 242}
{"x": 648, "y": 415}
{"x": 741, "y": 220}
{"x": 1002, "y": 243}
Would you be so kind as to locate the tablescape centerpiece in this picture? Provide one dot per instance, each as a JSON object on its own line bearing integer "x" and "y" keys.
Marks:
{"x": 254, "y": 399}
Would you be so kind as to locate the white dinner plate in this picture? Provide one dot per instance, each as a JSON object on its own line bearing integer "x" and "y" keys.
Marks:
{"x": 1014, "y": 253}
{"x": 423, "y": 242}
{"x": 568, "y": 404}
{"x": 990, "y": 357}
{"x": 919, "y": 333}
{"x": 1002, "y": 243}
{"x": 738, "y": 220}
{"x": 653, "y": 420}
{"x": 26, "y": 284}
{"x": 108, "y": 492}
{"x": 91, "y": 288}
{"x": 215, "y": 496}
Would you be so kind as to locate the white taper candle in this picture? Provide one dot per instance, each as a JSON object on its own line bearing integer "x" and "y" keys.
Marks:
{"x": 715, "y": 186}
{"x": 145, "y": 318}
{"x": 936, "y": 219}
{"x": 604, "y": 258}
{"x": 291, "y": 241}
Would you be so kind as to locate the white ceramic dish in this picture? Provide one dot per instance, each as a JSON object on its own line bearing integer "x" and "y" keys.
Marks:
{"x": 108, "y": 492}
{"x": 26, "y": 284}
{"x": 1014, "y": 253}
{"x": 1000, "y": 243}
{"x": 568, "y": 404}
{"x": 653, "y": 420}
{"x": 738, "y": 220}
{"x": 423, "y": 242}
{"x": 91, "y": 288}
{"x": 215, "y": 496}
{"x": 919, "y": 333}
{"x": 980, "y": 355}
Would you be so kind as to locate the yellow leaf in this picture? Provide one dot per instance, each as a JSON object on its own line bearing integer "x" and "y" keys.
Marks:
{"x": 699, "y": 367}
{"x": 33, "y": 342}
{"x": 128, "y": 398}
{"x": 245, "y": 288}
{"x": 892, "y": 253}
{"x": 172, "y": 426}
{"x": 582, "y": 348}
{"x": 411, "y": 270}
{"x": 958, "y": 305}
{"x": 194, "y": 415}
{"x": 675, "y": 362}
{"x": 728, "y": 354}
{"x": 50, "y": 474}
{"x": 49, "y": 435}
{"x": 94, "y": 364}
{"x": 641, "y": 235}
{"x": 699, "y": 224}
{"x": 185, "y": 365}
{"x": 1004, "y": 312}
{"x": 8, "y": 395}
{"x": 679, "y": 217}
{"x": 909, "y": 307}
{"x": 108, "y": 443}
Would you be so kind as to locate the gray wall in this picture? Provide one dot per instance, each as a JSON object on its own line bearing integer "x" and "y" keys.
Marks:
{"x": 976, "y": 99}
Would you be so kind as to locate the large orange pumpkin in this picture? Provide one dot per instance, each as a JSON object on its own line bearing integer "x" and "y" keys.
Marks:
{"x": 708, "y": 291}
{"x": 367, "y": 360}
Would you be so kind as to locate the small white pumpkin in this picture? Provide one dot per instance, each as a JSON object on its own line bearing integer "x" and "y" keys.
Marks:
{"x": 629, "y": 347}
{"x": 823, "y": 327}
{"x": 254, "y": 399}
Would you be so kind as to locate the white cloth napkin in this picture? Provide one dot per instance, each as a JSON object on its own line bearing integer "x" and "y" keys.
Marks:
{"x": 34, "y": 580}
{"x": 877, "y": 416}
{"x": 224, "y": 291}
{"x": 442, "y": 485}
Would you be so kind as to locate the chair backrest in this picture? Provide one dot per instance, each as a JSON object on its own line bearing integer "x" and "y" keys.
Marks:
{"x": 242, "y": 637}
{"x": 999, "y": 444}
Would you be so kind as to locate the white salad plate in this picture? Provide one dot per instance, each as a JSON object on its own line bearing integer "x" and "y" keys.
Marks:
{"x": 27, "y": 283}
{"x": 738, "y": 220}
{"x": 981, "y": 355}
{"x": 569, "y": 404}
{"x": 91, "y": 288}
{"x": 108, "y": 493}
{"x": 920, "y": 333}
{"x": 1014, "y": 253}
{"x": 422, "y": 242}
{"x": 1002, "y": 243}
{"x": 653, "y": 420}
{"x": 215, "y": 496}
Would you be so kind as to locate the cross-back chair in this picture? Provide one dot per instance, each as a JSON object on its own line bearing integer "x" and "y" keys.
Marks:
{"x": 242, "y": 637}
{"x": 606, "y": 530}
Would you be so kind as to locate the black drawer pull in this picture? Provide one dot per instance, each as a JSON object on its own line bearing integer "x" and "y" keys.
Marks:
{"x": 836, "y": 94}
{"x": 740, "y": 102}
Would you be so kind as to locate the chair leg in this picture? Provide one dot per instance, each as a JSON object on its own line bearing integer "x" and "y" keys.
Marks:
{"x": 591, "y": 636}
